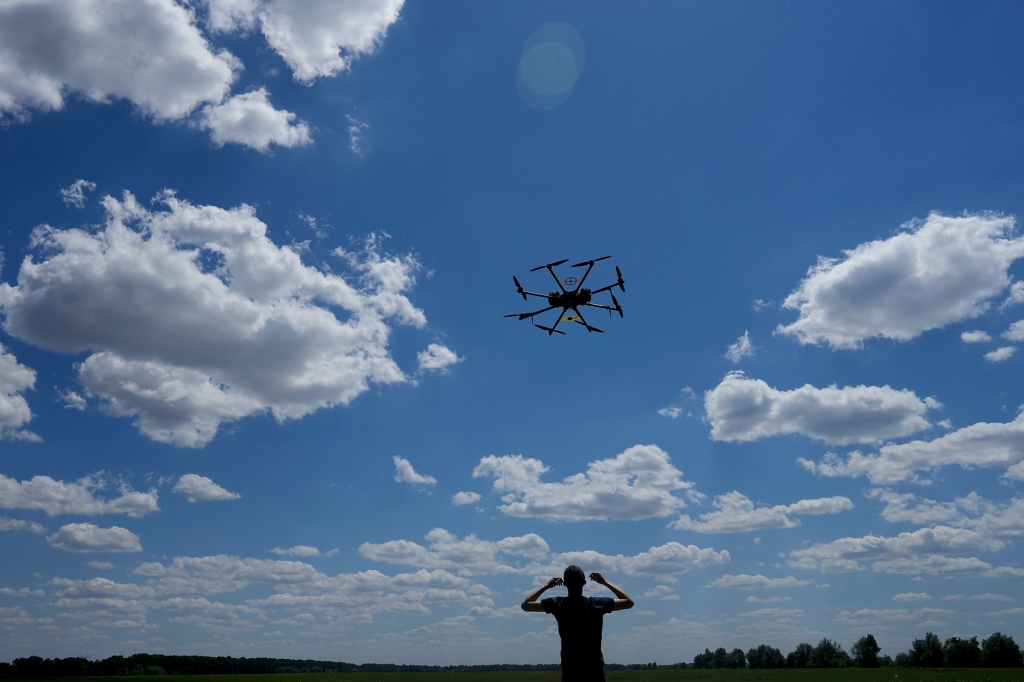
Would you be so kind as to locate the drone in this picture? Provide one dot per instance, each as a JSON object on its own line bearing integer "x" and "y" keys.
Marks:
{"x": 570, "y": 299}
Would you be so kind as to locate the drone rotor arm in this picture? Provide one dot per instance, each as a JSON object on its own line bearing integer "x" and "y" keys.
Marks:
{"x": 583, "y": 321}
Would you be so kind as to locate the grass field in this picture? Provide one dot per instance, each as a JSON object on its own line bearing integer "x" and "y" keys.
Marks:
{"x": 811, "y": 675}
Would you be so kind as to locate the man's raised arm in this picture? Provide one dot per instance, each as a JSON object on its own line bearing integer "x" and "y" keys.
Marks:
{"x": 531, "y": 603}
{"x": 622, "y": 600}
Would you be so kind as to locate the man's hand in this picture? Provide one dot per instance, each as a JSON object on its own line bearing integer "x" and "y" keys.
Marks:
{"x": 622, "y": 600}
{"x": 531, "y": 603}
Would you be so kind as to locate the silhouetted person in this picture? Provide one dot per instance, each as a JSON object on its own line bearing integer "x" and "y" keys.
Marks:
{"x": 579, "y": 622}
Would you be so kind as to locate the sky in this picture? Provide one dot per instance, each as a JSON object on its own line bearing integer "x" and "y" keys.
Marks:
{"x": 258, "y": 396}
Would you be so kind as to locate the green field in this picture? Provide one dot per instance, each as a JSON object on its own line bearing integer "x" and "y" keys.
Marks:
{"x": 808, "y": 675}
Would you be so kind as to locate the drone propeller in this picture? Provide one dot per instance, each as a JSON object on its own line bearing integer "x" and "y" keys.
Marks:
{"x": 549, "y": 265}
{"x": 618, "y": 308}
{"x": 549, "y": 330}
{"x": 590, "y": 262}
{"x": 589, "y": 328}
{"x": 621, "y": 282}
{"x": 519, "y": 288}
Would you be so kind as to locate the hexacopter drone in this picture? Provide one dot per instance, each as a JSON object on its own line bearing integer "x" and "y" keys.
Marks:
{"x": 570, "y": 299}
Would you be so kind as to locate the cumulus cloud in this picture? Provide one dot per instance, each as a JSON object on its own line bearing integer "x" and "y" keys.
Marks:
{"x": 9, "y": 525}
{"x": 975, "y": 336}
{"x": 755, "y": 582}
{"x": 743, "y": 409}
{"x": 404, "y": 473}
{"x": 912, "y": 596}
{"x": 356, "y": 135}
{"x": 79, "y": 497}
{"x": 1015, "y": 296}
{"x": 471, "y": 555}
{"x": 155, "y": 55}
{"x": 196, "y": 487}
{"x": 1000, "y": 354}
{"x": 436, "y": 358}
{"x": 251, "y": 120}
{"x": 316, "y": 38}
{"x": 303, "y": 550}
{"x": 979, "y": 445}
{"x": 736, "y": 513}
{"x": 743, "y": 348}
{"x": 636, "y": 484}
{"x": 933, "y": 273}
{"x": 921, "y": 551}
{"x": 463, "y": 497}
{"x": 1015, "y": 332}
{"x": 907, "y": 507}
{"x": 468, "y": 555}
{"x": 74, "y": 194}
{"x": 14, "y": 410}
{"x": 196, "y": 317}
{"x": 87, "y": 537}
{"x": 671, "y": 411}
{"x": 150, "y": 53}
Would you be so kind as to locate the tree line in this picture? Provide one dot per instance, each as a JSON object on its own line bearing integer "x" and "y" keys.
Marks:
{"x": 997, "y": 651}
{"x": 156, "y": 664}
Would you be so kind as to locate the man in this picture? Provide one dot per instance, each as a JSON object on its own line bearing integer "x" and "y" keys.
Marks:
{"x": 579, "y": 622}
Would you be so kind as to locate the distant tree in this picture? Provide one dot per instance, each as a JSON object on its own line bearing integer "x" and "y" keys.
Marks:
{"x": 800, "y": 657}
{"x": 865, "y": 652}
{"x": 735, "y": 659}
{"x": 829, "y": 654}
{"x": 927, "y": 652}
{"x": 720, "y": 656}
{"x": 704, "y": 660}
{"x": 903, "y": 660}
{"x": 765, "y": 656}
{"x": 962, "y": 653}
{"x": 886, "y": 661}
{"x": 1000, "y": 651}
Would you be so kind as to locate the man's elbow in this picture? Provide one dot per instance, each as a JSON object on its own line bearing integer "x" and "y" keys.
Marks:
{"x": 525, "y": 606}
{"x": 627, "y": 604}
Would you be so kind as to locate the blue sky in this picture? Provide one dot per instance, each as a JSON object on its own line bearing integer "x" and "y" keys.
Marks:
{"x": 259, "y": 397}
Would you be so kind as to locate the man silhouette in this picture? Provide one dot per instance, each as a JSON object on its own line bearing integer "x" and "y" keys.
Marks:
{"x": 579, "y": 622}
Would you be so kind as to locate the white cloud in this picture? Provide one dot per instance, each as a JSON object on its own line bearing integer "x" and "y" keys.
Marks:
{"x": 1000, "y": 354}
{"x": 471, "y": 555}
{"x": 743, "y": 348}
{"x": 14, "y": 410}
{"x": 772, "y": 613}
{"x": 636, "y": 484}
{"x": 755, "y": 582}
{"x": 909, "y": 553}
{"x": 446, "y": 551}
{"x": 150, "y": 53}
{"x": 736, "y": 513}
{"x": 907, "y": 507}
{"x": 320, "y": 38}
{"x": 933, "y": 273}
{"x": 437, "y": 358}
{"x": 975, "y": 336}
{"x": 100, "y": 565}
{"x": 912, "y": 596}
{"x": 1015, "y": 332}
{"x": 979, "y": 445}
{"x": 251, "y": 120}
{"x": 74, "y": 194}
{"x": 404, "y": 473}
{"x": 463, "y": 497}
{"x": 356, "y": 135}
{"x": 8, "y": 525}
{"x": 975, "y": 597}
{"x": 196, "y": 487}
{"x": 196, "y": 317}
{"x": 662, "y": 592}
{"x": 743, "y": 409}
{"x": 79, "y": 497}
{"x": 671, "y": 411}
{"x": 767, "y": 600}
{"x": 73, "y": 401}
{"x": 303, "y": 550}
{"x": 1015, "y": 296}
{"x": 1007, "y": 612}
{"x": 87, "y": 537}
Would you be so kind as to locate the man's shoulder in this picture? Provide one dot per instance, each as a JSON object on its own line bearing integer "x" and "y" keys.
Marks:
{"x": 601, "y": 604}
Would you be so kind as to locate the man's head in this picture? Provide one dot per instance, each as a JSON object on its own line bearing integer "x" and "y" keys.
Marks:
{"x": 574, "y": 579}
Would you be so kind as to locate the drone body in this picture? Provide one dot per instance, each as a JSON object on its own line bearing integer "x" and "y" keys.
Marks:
{"x": 570, "y": 299}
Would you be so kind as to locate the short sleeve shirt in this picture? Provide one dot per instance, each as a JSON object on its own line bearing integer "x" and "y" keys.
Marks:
{"x": 580, "y": 621}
